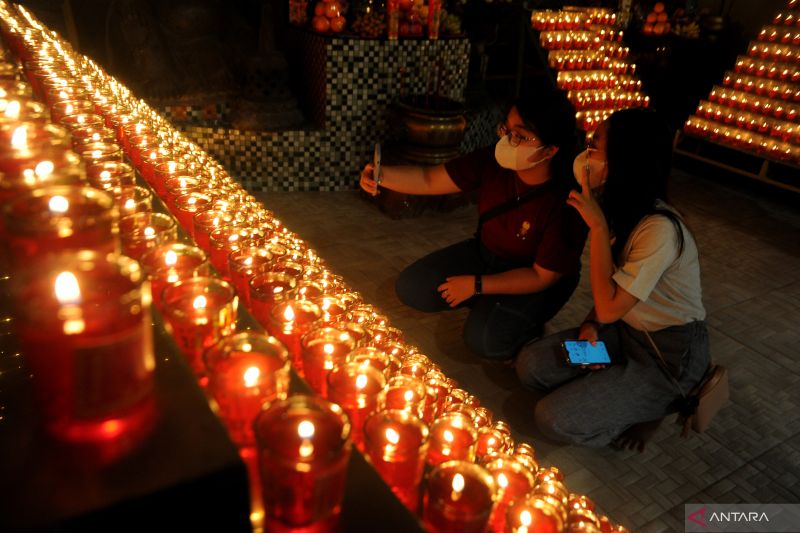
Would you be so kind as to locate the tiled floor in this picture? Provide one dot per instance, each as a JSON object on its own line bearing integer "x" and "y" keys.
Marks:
{"x": 749, "y": 241}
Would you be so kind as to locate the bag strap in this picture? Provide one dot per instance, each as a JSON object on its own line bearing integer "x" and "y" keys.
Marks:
{"x": 507, "y": 206}
{"x": 688, "y": 405}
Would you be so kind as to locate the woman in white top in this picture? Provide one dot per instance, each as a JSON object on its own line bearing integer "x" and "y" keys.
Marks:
{"x": 645, "y": 279}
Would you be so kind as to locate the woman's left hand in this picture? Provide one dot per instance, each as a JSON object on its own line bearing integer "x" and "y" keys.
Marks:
{"x": 457, "y": 289}
{"x": 586, "y": 205}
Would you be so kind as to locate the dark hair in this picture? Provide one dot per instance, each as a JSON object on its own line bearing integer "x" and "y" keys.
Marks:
{"x": 550, "y": 115}
{"x": 639, "y": 154}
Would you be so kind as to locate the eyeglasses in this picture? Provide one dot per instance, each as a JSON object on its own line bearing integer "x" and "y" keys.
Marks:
{"x": 514, "y": 138}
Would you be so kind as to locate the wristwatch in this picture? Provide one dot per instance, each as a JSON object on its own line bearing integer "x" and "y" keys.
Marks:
{"x": 478, "y": 284}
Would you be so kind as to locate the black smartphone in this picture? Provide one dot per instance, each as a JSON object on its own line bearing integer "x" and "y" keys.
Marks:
{"x": 581, "y": 353}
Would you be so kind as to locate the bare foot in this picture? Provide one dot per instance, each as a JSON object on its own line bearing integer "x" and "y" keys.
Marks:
{"x": 635, "y": 438}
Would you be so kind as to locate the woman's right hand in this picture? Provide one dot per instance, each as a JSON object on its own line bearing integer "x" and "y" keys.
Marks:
{"x": 367, "y": 181}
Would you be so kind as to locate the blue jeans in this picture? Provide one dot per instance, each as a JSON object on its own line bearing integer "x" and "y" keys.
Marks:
{"x": 592, "y": 407}
{"x": 498, "y": 325}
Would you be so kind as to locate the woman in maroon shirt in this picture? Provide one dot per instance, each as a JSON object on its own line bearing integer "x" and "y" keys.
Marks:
{"x": 524, "y": 262}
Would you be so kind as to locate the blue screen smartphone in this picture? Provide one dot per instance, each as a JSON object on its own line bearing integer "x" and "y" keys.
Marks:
{"x": 583, "y": 353}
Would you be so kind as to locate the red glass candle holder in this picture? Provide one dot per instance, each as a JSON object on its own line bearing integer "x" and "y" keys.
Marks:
{"x": 534, "y": 514}
{"x": 229, "y": 239}
{"x": 61, "y": 109}
{"x": 415, "y": 365}
{"x": 405, "y": 393}
{"x": 84, "y": 326}
{"x": 289, "y": 321}
{"x": 246, "y": 371}
{"x": 23, "y": 139}
{"x": 99, "y": 152}
{"x": 131, "y": 200}
{"x": 266, "y": 289}
{"x": 54, "y": 219}
{"x": 453, "y": 436}
{"x": 80, "y": 121}
{"x": 185, "y": 206}
{"x": 322, "y": 348}
{"x": 143, "y": 231}
{"x": 163, "y": 171}
{"x": 111, "y": 174}
{"x": 170, "y": 263}
{"x": 199, "y": 312}
{"x": 178, "y": 186}
{"x": 303, "y": 451}
{"x": 396, "y": 443}
{"x": 525, "y": 454}
{"x": 459, "y": 498}
{"x": 204, "y": 222}
{"x": 355, "y": 389}
{"x": 243, "y": 264}
{"x": 513, "y": 481}
{"x": 384, "y": 362}
{"x": 23, "y": 110}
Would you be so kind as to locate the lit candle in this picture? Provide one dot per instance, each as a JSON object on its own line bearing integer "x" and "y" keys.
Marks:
{"x": 303, "y": 451}
{"x": 396, "y": 444}
{"x": 163, "y": 171}
{"x": 533, "y": 515}
{"x": 265, "y": 290}
{"x": 322, "y": 349}
{"x": 178, "y": 186}
{"x": 459, "y": 498}
{"x": 84, "y": 326}
{"x": 405, "y": 393}
{"x": 169, "y": 263}
{"x": 199, "y": 312}
{"x": 140, "y": 232}
{"x": 62, "y": 109}
{"x": 227, "y": 239}
{"x": 382, "y": 361}
{"x": 111, "y": 174}
{"x": 185, "y": 206}
{"x": 246, "y": 371}
{"x": 204, "y": 222}
{"x": 131, "y": 200}
{"x": 355, "y": 388}
{"x": 243, "y": 264}
{"x": 289, "y": 321}
{"x": 49, "y": 220}
{"x": 453, "y": 436}
{"x": 513, "y": 481}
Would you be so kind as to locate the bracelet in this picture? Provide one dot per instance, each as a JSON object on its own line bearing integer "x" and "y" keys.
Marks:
{"x": 478, "y": 284}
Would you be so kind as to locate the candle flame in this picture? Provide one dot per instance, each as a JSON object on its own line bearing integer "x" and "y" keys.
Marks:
{"x": 525, "y": 518}
{"x": 288, "y": 314}
{"x": 12, "y": 109}
{"x": 19, "y": 139}
{"x": 97, "y": 154}
{"x": 408, "y": 396}
{"x": 248, "y": 261}
{"x": 306, "y": 449}
{"x": 458, "y": 483}
{"x": 105, "y": 175}
{"x": 251, "y": 376}
{"x": 502, "y": 480}
{"x": 58, "y": 204}
{"x": 328, "y": 348}
{"x": 448, "y": 435}
{"x": 326, "y": 304}
{"x": 305, "y": 429}
{"x": 392, "y": 436}
{"x": 68, "y": 291}
{"x": 170, "y": 258}
{"x": 44, "y": 169}
{"x": 130, "y": 204}
{"x": 172, "y": 165}
{"x": 81, "y": 119}
{"x": 361, "y": 381}
{"x": 69, "y": 109}
{"x": 247, "y": 347}
{"x": 200, "y": 302}
{"x": 277, "y": 290}
{"x": 149, "y": 232}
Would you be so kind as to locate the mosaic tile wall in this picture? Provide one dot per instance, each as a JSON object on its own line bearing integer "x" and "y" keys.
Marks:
{"x": 350, "y": 84}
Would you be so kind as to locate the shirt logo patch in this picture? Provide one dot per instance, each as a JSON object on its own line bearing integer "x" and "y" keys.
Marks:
{"x": 524, "y": 229}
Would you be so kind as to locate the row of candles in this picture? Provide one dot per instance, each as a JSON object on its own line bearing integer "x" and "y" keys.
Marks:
{"x": 548, "y": 20}
{"x": 767, "y": 69}
{"x": 374, "y": 390}
{"x": 742, "y": 139}
{"x": 591, "y": 64}
{"x": 787, "y": 91}
{"x": 777, "y": 52}
{"x": 786, "y": 18}
{"x": 783, "y": 35}
{"x": 745, "y": 101}
{"x": 779, "y": 129}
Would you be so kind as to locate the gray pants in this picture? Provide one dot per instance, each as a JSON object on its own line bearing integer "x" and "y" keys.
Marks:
{"x": 592, "y": 407}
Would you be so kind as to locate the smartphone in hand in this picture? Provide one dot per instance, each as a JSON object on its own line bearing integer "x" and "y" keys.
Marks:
{"x": 583, "y": 353}
{"x": 376, "y": 161}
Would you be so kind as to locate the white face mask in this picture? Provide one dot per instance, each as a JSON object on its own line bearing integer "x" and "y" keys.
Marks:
{"x": 597, "y": 169}
{"x": 516, "y": 157}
